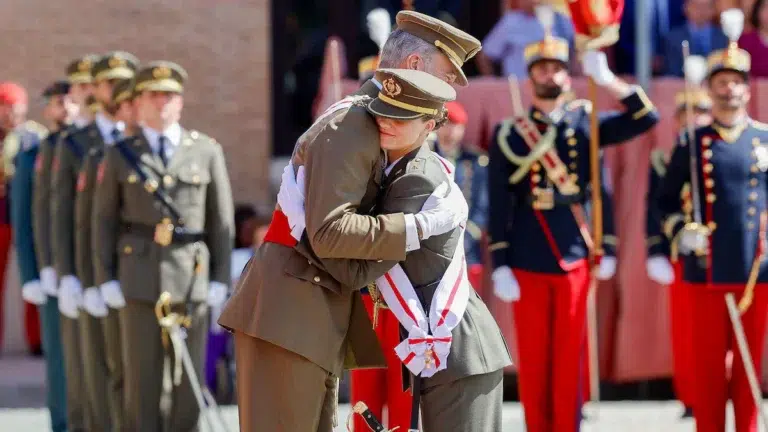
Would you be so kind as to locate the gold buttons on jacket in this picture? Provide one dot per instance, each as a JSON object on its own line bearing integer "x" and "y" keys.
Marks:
{"x": 535, "y": 167}
{"x": 535, "y": 178}
{"x": 706, "y": 141}
{"x": 754, "y": 169}
{"x": 751, "y": 211}
{"x": 711, "y": 198}
{"x": 151, "y": 185}
{"x": 168, "y": 181}
{"x": 133, "y": 178}
{"x": 569, "y": 133}
{"x": 709, "y": 183}
{"x": 711, "y": 225}
{"x": 316, "y": 279}
{"x": 753, "y": 182}
{"x": 708, "y": 168}
{"x": 707, "y": 154}
{"x": 572, "y": 141}
{"x": 572, "y": 166}
{"x": 573, "y": 153}
{"x": 127, "y": 250}
{"x": 753, "y": 196}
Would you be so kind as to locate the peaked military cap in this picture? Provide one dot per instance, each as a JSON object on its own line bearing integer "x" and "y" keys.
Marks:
{"x": 162, "y": 76}
{"x": 459, "y": 46}
{"x": 58, "y": 88}
{"x": 115, "y": 65}
{"x": 699, "y": 100}
{"x": 549, "y": 48}
{"x": 409, "y": 94}
{"x": 79, "y": 70}
{"x": 122, "y": 91}
{"x": 731, "y": 58}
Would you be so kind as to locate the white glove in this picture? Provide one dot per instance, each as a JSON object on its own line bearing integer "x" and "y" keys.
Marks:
{"x": 607, "y": 268}
{"x": 290, "y": 197}
{"x": 595, "y": 65}
{"x": 660, "y": 270}
{"x": 48, "y": 281}
{"x": 692, "y": 241}
{"x": 217, "y": 294}
{"x": 32, "y": 292}
{"x": 112, "y": 294}
{"x": 93, "y": 303}
{"x": 440, "y": 213}
{"x": 70, "y": 296}
{"x": 505, "y": 285}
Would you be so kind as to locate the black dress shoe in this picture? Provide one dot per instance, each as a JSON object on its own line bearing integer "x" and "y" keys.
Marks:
{"x": 688, "y": 413}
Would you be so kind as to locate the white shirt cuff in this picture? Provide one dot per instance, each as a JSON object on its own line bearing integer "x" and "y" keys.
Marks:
{"x": 411, "y": 234}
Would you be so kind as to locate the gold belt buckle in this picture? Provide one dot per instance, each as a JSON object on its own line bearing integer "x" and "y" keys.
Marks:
{"x": 545, "y": 199}
{"x": 164, "y": 232}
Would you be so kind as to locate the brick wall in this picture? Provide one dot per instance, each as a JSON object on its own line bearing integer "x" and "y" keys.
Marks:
{"x": 223, "y": 44}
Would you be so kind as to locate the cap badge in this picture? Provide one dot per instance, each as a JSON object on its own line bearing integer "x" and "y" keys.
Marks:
{"x": 84, "y": 66}
{"x": 116, "y": 62}
{"x": 391, "y": 87}
{"x": 161, "y": 72}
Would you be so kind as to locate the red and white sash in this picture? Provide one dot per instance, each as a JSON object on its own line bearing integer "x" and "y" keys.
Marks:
{"x": 425, "y": 351}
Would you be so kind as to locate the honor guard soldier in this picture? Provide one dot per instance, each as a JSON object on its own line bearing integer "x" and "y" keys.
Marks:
{"x": 721, "y": 237}
{"x": 658, "y": 265}
{"x": 382, "y": 387}
{"x": 538, "y": 172}
{"x": 100, "y": 329}
{"x": 47, "y": 241}
{"x": 163, "y": 222}
{"x": 471, "y": 174}
{"x": 59, "y": 112}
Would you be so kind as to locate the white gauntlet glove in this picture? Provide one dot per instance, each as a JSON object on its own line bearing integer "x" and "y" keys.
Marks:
{"x": 48, "y": 281}
{"x": 32, "y": 292}
{"x": 442, "y": 213}
{"x": 70, "y": 296}
{"x": 112, "y": 294}
{"x": 595, "y": 65}
{"x": 93, "y": 303}
{"x": 505, "y": 284}
{"x": 290, "y": 197}
{"x": 660, "y": 270}
{"x": 607, "y": 268}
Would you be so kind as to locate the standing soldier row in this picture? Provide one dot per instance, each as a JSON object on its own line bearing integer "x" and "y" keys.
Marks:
{"x": 127, "y": 204}
{"x": 538, "y": 175}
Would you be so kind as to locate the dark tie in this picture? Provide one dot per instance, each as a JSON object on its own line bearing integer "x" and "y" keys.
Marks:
{"x": 163, "y": 141}
{"x": 116, "y": 135}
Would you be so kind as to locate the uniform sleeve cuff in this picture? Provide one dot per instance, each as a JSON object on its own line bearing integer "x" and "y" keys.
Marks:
{"x": 638, "y": 103}
{"x": 411, "y": 234}
{"x": 673, "y": 224}
{"x": 499, "y": 252}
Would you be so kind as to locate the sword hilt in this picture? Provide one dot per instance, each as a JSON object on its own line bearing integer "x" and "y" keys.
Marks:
{"x": 370, "y": 420}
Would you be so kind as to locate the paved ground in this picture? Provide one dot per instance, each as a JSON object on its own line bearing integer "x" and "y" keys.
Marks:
{"x": 22, "y": 397}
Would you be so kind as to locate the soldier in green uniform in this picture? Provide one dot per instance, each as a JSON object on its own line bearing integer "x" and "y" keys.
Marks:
{"x": 100, "y": 329}
{"x": 163, "y": 221}
{"x": 48, "y": 238}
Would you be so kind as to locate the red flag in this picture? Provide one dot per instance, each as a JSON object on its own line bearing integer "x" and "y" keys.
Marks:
{"x": 592, "y": 17}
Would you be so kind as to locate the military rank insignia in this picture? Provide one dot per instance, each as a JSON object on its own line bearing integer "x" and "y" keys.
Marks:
{"x": 100, "y": 173}
{"x": 81, "y": 181}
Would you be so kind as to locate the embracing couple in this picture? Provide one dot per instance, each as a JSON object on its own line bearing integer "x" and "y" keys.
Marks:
{"x": 364, "y": 200}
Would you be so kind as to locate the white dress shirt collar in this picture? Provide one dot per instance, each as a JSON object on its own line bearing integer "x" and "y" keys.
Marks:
{"x": 172, "y": 133}
{"x": 106, "y": 126}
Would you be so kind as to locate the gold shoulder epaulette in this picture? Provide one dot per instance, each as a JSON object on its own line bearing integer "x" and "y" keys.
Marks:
{"x": 579, "y": 103}
{"x": 502, "y": 141}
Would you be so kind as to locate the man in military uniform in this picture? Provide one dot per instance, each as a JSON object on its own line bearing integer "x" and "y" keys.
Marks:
{"x": 722, "y": 239}
{"x": 59, "y": 111}
{"x": 658, "y": 265}
{"x": 271, "y": 311}
{"x": 538, "y": 175}
{"x": 79, "y": 80}
{"x": 100, "y": 329}
{"x": 162, "y": 222}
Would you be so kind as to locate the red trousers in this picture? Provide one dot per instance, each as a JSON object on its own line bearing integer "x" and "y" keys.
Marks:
{"x": 380, "y": 387}
{"x": 712, "y": 338}
{"x": 681, "y": 322}
{"x": 31, "y": 317}
{"x": 551, "y": 335}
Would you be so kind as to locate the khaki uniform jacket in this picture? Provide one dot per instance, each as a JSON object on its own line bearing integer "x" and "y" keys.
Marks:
{"x": 83, "y": 220}
{"x": 197, "y": 182}
{"x": 66, "y": 166}
{"x": 478, "y": 346}
{"x": 306, "y": 299}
